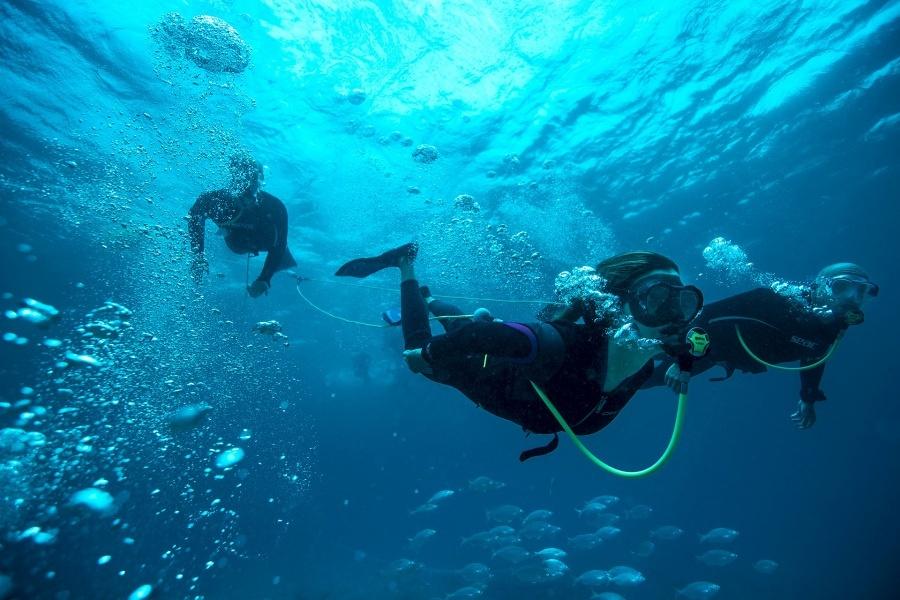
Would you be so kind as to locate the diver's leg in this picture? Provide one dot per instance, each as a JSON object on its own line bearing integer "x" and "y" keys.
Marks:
{"x": 416, "y": 329}
{"x": 440, "y": 308}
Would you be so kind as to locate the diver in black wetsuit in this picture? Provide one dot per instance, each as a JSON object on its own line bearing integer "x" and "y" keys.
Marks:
{"x": 588, "y": 376}
{"x": 253, "y": 221}
{"x": 778, "y": 329}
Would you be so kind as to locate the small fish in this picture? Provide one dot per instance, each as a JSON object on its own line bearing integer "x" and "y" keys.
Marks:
{"x": 638, "y": 512}
{"x": 482, "y": 538}
{"x": 465, "y": 593}
{"x": 538, "y": 573}
{"x": 506, "y": 513}
{"x": 766, "y": 567}
{"x": 475, "y": 573}
{"x": 593, "y": 578}
{"x": 700, "y": 590}
{"x": 608, "y": 532}
{"x": 585, "y": 541}
{"x": 424, "y": 508}
{"x": 538, "y": 530}
{"x": 607, "y": 500}
{"x": 403, "y": 565}
{"x": 717, "y": 558}
{"x": 417, "y": 541}
{"x": 512, "y": 554}
{"x": 667, "y": 532}
{"x": 438, "y": 496}
{"x": 537, "y": 515}
{"x": 554, "y": 564}
{"x": 506, "y": 540}
{"x": 591, "y": 509}
{"x": 719, "y": 535}
{"x": 626, "y": 576}
{"x": 485, "y": 484}
{"x": 551, "y": 553}
{"x": 604, "y": 519}
{"x": 502, "y": 530}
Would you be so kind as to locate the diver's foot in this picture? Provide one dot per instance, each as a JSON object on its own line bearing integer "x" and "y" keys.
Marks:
{"x": 363, "y": 267}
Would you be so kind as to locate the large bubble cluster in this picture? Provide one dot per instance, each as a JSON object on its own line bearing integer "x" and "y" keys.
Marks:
{"x": 584, "y": 286}
{"x": 209, "y": 42}
{"x": 730, "y": 263}
{"x": 728, "y": 260}
{"x": 130, "y": 428}
{"x": 473, "y": 247}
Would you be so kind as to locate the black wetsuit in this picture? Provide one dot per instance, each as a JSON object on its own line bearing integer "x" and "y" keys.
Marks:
{"x": 258, "y": 228}
{"x": 774, "y": 327}
{"x": 567, "y": 360}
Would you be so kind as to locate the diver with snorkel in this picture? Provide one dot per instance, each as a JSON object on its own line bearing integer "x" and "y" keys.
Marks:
{"x": 561, "y": 375}
{"x": 761, "y": 329}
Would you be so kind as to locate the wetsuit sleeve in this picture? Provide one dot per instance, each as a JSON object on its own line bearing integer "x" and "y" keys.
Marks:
{"x": 809, "y": 384}
{"x": 197, "y": 216}
{"x": 494, "y": 339}
{"x": 276, "y": 253}
{"x": 811, "y": 379}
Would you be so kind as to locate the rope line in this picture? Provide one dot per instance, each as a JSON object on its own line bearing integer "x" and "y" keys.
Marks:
{"x": 363, "y": 323}
{"x": 387, "y": 289}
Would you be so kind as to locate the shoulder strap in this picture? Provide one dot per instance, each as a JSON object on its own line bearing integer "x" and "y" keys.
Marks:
{"x": 540, "y": 450}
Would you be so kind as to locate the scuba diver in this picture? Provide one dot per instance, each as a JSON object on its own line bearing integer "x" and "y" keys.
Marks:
{"x": 588, "y": 374}
{"x": 760, "y": 329}
{"x": 251, "y": 220}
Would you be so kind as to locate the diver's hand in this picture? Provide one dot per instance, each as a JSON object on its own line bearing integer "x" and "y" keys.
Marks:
{"x": 676, "y": 380}
{"x": 258, "y": 288}
{"x": 199, "y": 268}
{"x": 805, "y": 417}
{"x": 416, "y": 362}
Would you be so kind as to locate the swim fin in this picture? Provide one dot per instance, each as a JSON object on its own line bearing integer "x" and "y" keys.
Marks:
{"x": 392, "y": 317}
{"x": 287, "y": 260}
{"x": 363, "y": 267}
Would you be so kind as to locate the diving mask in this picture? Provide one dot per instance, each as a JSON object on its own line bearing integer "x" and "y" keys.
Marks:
{"x": 657, "y": 302}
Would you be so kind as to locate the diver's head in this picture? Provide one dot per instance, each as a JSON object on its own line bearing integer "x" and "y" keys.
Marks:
{"x": 482, "y": 314}
{"x": 245, "y": 178}
{"x": 844, "y": 288}
{"x": 651, "y": 291}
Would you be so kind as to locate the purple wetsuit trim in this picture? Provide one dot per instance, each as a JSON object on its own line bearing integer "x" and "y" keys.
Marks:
{"x": 531, "y": 338}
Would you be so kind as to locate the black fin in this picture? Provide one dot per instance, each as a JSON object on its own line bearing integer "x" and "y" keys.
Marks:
{"x": 363, "y": 267}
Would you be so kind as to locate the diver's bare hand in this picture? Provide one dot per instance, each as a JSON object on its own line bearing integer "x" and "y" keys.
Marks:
{"x": 416, "y": 362}
{"x": 805, "y": 417}
{"x": 258, "y": 288}
{"x": 676, "y": 380}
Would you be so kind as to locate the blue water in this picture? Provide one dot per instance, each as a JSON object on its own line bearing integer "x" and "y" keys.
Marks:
{"x": 582, "y": 129}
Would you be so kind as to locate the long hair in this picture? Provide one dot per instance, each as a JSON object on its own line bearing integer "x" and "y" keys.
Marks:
{"x": 622, "y": 270}
{"x": 619, "y": 272}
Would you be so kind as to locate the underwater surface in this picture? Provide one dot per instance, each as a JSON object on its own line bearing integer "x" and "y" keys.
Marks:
{"x": 163, "y": 438}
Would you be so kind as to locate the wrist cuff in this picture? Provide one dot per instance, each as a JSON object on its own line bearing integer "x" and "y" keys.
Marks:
{"x": 811, "y": 395}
